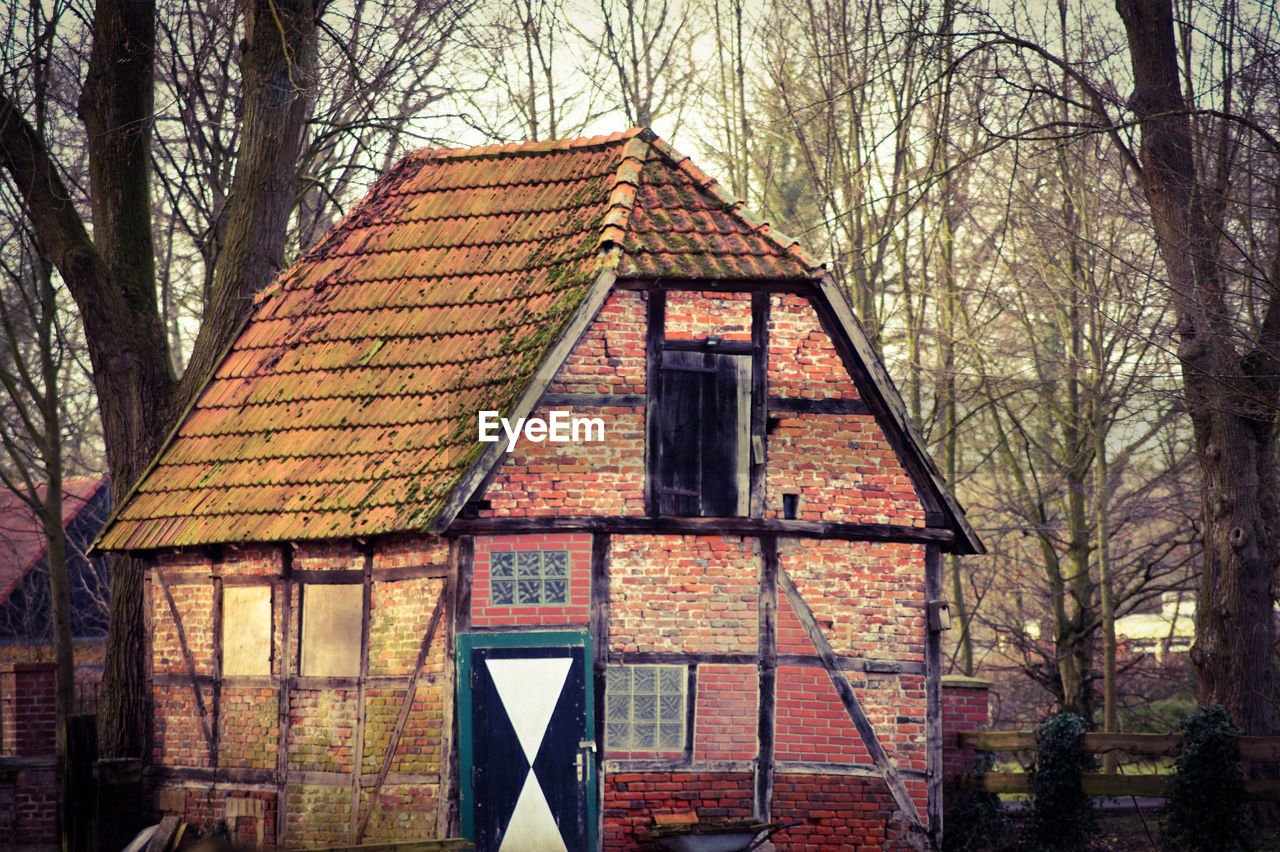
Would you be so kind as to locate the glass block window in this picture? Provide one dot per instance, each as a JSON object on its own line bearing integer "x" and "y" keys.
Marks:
{"x": 528, "y": 577}
{"x": 645, "y": 708}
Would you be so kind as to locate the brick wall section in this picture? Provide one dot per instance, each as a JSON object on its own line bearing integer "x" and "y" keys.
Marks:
{"x": 28, "y": 797}
{"x": 726, "y": 714}
{"x": 322, "y": 719}
{"x": 965, "y": 707}
{"x": 27, "y": 716}
{"x": 840, "y": 814}
{"x": 803, "y": 362}
{"x": 694, "y": 315}
{"x": 684, "y": 593}
{"x": 578, "y": 610}
{"x": 610, "y": 356}
{"x": 843, "y": 468}
{"x": 631, "y": 799}
{"x": 867, "y": 596}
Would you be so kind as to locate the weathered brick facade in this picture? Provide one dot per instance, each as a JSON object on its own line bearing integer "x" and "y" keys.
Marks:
{"x": 744, "y": 564}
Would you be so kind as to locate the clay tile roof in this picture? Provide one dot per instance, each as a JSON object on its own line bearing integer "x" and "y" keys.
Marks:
{"x": 347, "y": 406}
{"x": 22, "y": 542}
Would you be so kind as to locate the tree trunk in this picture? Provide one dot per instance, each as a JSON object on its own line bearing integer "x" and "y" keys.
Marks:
{"x": 1231, "y": 397}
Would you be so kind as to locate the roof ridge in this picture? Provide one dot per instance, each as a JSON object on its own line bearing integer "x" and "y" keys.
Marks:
{"x": 539, "y": 147}
{"x": 626, "y": 180}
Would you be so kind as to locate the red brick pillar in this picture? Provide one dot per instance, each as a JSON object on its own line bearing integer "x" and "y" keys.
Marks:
{"x": 28, "y": 748}
{"x": 964, "y": 708}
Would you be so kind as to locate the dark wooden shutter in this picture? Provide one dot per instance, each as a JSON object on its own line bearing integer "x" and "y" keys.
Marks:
{"x": 698, "y": 434}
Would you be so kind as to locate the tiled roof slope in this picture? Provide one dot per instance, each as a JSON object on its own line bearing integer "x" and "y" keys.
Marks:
{"x": 347, "y": 405}
{"x": 22, "y": 542}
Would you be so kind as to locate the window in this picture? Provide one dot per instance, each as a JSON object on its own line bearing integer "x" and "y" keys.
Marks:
{"x": 331, "y": 617}
{"x": 645, "y": 708}
{"x": 246, "y": 631}
{"x": 528, "y": 577}
{"x": 703, "y": 423}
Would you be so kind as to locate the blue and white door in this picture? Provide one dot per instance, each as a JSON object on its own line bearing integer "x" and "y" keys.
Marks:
{"x": 526, "y": 752}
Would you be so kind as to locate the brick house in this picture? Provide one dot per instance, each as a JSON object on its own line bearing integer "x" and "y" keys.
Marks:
{"x": 366, "y": 623}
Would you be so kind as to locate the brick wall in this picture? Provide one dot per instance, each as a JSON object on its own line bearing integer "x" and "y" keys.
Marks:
{"x": 578, "y": 610}
{"x": 965, "y": 707}
{"x": 803, "y": 362}
{"x": 694, "y": 315}
{"x": 843, "y": 469}
{"x": 632, "y": 798}
{"x": 684, "y": 593}
{"x": 726, "y": 713}
{"x": 840, "y": 814}
{"x": 610, "y": 356}
{"x": 28, "y": 797}
{"x": 323, "y": 717}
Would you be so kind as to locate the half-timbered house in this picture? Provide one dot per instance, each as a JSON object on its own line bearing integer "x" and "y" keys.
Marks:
{"x": 723, "y": 597}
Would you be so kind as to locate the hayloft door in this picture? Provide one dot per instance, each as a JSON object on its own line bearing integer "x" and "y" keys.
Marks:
{"x": 526, "y": 752}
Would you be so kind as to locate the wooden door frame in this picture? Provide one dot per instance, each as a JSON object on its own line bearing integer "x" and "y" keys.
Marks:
{"x": 466, "y": 643}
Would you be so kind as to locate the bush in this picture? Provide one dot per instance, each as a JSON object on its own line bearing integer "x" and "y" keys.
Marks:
{"x": 1062, "y": 818}
{"x": 1205, "y": 809}
{"x": 975, "y": 821}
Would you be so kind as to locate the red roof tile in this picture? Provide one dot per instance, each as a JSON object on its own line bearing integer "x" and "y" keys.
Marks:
{"x": 22, "y": 542}
{"x": 347, "y": 405}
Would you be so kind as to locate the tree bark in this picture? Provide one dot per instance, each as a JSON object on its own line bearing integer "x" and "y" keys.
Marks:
{"x": 1231, "y": 396}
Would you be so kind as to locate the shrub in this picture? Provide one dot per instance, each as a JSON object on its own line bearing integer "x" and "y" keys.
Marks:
{"x": 1062, "y": 818}
{"x": 975, "y": 821}
{"x": 1205, "y": 809}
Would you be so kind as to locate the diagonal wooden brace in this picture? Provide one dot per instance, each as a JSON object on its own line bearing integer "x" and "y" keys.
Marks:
{"x": 845, "y": 689}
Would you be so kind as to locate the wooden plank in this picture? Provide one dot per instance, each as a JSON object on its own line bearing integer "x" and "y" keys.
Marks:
{"x": 1259, "y": 749}
{"x": 447, "y": 845}
{"x": 933, "y": 695}
{"x": 1100, "y": 784}
{"x": 888, "y": 770}
{"x": 850, "y": 770}
{"x": 356, "y": 825}
{"x": 655, "y": 331}
{"x": 282, "y": 702}
{"x": 191, "y": 664}
{"x": 335, "y": 577}
{"x": 594, "y": 400}
{"x": 766, "y": 709}
{"x": 793, "y": 405}
{"x": 621, "y": 524}
{"x": 360, "y": 823}
{"x": 401, "y": 573}
{"x": 470, "y": 482}
{"x": 758, "y": 443}
{"x": 677, "y": 764}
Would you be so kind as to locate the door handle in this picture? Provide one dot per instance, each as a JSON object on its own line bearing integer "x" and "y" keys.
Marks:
{"x": 580, "y": 760}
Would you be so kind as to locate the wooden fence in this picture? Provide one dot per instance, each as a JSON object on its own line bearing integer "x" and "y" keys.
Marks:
{"x": 1252, "y": 750}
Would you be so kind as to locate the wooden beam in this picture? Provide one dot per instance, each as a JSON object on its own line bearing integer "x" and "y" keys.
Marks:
{"x": 933, "y": 694}
{"x": 448, "y": 698}
{"x": 355, "y": 828}
{"x": 465, "y": 561}
{"x": 655, "y": 331}
{"x": 282, "y": 707}
{"x": 359, "y": 823}
{"x": 601, "y": 547}
{"x": 767, "y": 643}
{"x": 594, "y": 400}
{"x": 714, "y": 285}
{"x": 759, "y": 403}
{"x": 191, "y": 664}
{"x": 867, "y": 732}
{"x": 216, "y": 615}
{"x": 703, "y": 526}
{"x": 792, "y": 405}
{"x": 724, "y": 347}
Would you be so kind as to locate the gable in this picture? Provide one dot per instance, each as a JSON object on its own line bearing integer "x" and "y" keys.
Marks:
{"x": 348, "y": 404}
